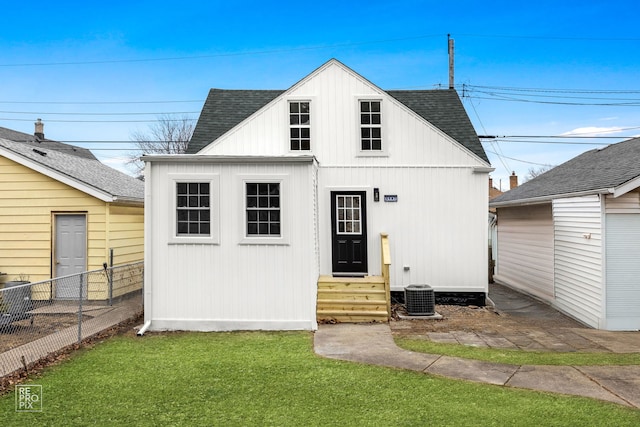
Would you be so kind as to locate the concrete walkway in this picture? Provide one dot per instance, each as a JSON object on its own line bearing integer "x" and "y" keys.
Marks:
{"x": 373, "y": 344}
{"x": 524, "y": 323}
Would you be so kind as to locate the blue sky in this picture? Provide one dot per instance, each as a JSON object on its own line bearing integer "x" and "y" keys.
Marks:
{"x": 100, "y": 72}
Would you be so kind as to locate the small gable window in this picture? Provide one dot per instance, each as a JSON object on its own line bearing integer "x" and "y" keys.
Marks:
{"x": 370, "y": 125}
{"x": 193, "y": 210}
{"x": 300, "y": 125}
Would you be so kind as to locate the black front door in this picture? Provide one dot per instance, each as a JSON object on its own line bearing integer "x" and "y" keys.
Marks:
{"x": 349, "y": 233}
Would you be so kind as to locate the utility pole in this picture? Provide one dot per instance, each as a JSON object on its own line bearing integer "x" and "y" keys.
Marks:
{"x": 451, "y": 57}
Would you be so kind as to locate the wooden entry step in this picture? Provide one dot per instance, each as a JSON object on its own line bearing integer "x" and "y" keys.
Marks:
{"x": 352, "y": 299}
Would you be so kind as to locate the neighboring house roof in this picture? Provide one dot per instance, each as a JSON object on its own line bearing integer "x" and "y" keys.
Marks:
{"x": 224, "y": 109}
{"x": 87, "y": 175}
{"x": 613, "y": 169}
{"x": 494, "y": 192}
{"x": 48, "y": 144}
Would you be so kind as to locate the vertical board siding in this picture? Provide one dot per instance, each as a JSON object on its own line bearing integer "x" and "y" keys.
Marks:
{"x": 437, "y": 229}
{"x": 231, "y": 285}
{"x": 623, "y": 271}
{"x": 434, "y": 231}
{"x": 578, "y": 257}
{"x": 525, "y": 249}
{"x": 334, "y": 96}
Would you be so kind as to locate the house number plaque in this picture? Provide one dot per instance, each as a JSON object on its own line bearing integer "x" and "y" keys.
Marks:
{"x": 390, "y": 197}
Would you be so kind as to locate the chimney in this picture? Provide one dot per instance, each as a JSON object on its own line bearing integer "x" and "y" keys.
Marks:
{"x": 450, "y": 40}
{"x": 39, "y": 133}
{"x": 513, "y": 181}
{"x": 490, "y": 182}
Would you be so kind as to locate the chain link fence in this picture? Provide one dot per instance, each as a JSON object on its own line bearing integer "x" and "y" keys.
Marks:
{"x": 37, "y": 319}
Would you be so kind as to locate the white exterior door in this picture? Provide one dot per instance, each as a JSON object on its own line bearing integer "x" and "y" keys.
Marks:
{"x": 70, "y": 252}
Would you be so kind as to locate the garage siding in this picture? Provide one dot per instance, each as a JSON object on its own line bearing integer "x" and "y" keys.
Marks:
{"x": 578, "y": 257}
{"x": 525, "y": 249}
{"x": 623, "y": 272}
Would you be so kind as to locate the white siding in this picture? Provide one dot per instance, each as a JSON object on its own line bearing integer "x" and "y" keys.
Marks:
{"x": 525, "y": 249}
{"x": 578, "y": 257}
{"x": 437, "y": 228}
{"x": 231, "y": 285}
{"x": 628, "y": 203}
{"x": 333, "y": 95}
{"x": 623, "y": 271}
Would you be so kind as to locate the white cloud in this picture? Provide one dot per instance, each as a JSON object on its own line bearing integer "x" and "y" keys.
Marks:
{"x": 593, "y": 131}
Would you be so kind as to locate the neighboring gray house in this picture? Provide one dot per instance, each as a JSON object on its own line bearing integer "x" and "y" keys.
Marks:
{"x": 571, "y": 237}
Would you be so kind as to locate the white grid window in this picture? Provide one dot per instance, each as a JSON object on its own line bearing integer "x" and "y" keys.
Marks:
{"x": 263, "y": 209}
{"x": 300, "y": 126}
{"x": 193, "y": 212}
{"x": 370, "y": 126}
{"x": 348, "y": 213}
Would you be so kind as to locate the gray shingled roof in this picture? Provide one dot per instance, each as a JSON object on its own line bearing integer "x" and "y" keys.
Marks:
{"x": 444, "y": 110}
{"x": 89, "y": 172}
{"x": 594, "y": 171}
{"x": 225, "y": 109}
{"x": 48, "y": 144}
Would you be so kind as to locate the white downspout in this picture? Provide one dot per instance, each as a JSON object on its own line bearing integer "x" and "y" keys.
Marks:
{"x": 144, "y": 328}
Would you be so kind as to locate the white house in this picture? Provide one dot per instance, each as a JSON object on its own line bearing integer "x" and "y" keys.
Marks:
{"x": 284, "y": 190}
{"x": 571, "y": 237}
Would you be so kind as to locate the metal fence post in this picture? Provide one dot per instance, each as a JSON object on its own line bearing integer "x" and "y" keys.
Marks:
{"x": 110, "y": 276}
{"x": 80, "y": 312}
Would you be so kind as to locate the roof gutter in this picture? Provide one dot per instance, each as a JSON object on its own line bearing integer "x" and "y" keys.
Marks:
{"x": 549, "y": 198}
{"x": 207, "y": 158}
{"x": 483, "y": 169}
{"x": 127, "y": 201}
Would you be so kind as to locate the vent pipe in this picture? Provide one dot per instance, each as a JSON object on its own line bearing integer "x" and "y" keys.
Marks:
{"x": 451, "y": 56}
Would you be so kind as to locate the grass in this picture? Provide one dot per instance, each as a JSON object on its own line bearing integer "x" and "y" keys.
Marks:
{"x": 259, "y": 378}
{"x": 518, "y": 357}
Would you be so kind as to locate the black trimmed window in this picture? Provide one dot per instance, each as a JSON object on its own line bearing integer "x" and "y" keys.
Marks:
{"x": 263, "y": 209}
{"x": 299, "y": 125}
{"x": 193, "y": 210}
{"x": 370, "y": 126}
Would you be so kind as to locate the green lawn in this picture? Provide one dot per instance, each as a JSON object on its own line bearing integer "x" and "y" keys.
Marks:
{"x": 518, "y": 357}
{"x": 258, "y": 378}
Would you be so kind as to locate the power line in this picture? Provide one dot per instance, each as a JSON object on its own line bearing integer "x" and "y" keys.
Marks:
{"x": 589, "y": 39}
{"x": 495, "y": 146}
{"x": 599, "y": 104}
{"x": 553, "y": 96}
{"x": 552, "y": 142}
{"x": 518, "y": 160}
{"x": 97, "y": 114}
{"x": 97, "y": 121}
{"x": 221, "y": 55}
{"x": 524, "y": 89}
{"x": 101, "y": 102}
